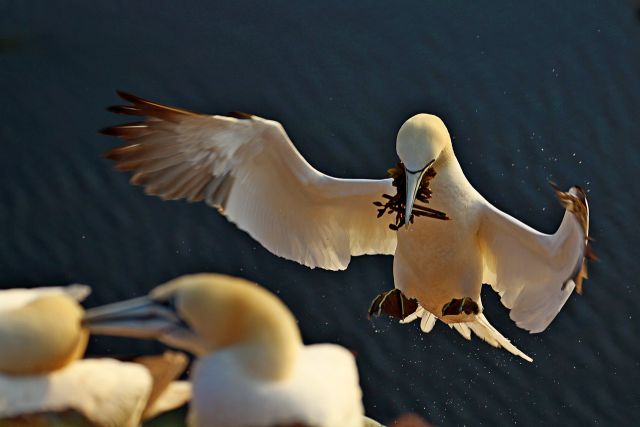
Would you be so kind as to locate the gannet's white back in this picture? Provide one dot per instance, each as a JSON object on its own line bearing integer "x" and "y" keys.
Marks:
{"x": 105, "y": 391}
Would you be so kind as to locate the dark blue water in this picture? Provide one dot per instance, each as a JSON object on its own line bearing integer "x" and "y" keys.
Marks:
{"x": 531, "y": 91}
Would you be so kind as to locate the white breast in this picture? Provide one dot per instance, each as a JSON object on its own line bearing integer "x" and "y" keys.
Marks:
{"x": 437, "y": 260}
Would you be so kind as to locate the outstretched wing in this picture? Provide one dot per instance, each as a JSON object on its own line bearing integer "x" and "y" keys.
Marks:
{"x": 535, "y": 273}
{"x": 248, "y": 168}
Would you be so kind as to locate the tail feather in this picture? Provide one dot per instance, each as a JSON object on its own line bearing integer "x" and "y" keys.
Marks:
{"x": 462, "y": 328}
{"x": 481, "y": 327}
{"x": 427, "y": 320}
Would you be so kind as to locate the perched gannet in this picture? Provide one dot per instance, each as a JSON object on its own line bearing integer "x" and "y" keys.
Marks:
{"x": 252, "y": 368}
{"x": 43, "y": 382}
{"x": 248, "y": 169}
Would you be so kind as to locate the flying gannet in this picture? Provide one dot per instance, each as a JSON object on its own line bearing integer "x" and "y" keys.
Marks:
{"x": 247, "y": 168}
{"x": 252, "y": 368}
{"x": 43, "y": 382}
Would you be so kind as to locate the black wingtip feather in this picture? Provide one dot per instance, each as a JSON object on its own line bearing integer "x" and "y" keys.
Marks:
{"x": 128, "y": 97}
{"x": 240, "y": 115}
{"x": 125, "y": 109}
{"x": 110, "y": 131}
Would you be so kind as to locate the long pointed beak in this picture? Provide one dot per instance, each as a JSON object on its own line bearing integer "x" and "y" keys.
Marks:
{"x": 136, "y": 318}
{"x": 146, "y": 319}
{"x": 413, "y": 180}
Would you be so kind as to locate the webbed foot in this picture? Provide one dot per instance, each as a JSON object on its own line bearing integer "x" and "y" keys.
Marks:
{"x": 458, "y": 306}
{"x": 394, "y": 304}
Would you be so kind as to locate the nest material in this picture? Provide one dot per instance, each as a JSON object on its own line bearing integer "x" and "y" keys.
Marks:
{"x": 397, "y": 203}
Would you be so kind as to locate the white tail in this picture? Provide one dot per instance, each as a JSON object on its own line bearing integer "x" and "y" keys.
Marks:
{"x": 481, "y": 327}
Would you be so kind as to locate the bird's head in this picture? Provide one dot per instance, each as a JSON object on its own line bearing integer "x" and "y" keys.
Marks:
{"x": 40, "y": 329}
{"x": 421, "y": 141}
{"x": 204, "y": 313}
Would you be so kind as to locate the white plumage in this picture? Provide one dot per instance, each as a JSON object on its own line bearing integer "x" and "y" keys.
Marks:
{"x": 251, "y": 172}
{"x": 43, "y": 382}
{"x": 106, "y": 392}
{"x": 322, "y": 390}
{"x": 252, "y": 369}
{"x": 17, "y": 298}
{"x": 248, "y": 168}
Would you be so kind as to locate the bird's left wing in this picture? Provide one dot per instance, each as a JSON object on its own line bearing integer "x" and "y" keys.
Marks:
{"x": 535, "y": 273}
{"x": 248, "y": 168}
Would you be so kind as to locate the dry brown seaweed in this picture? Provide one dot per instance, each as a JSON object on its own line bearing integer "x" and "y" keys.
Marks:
{"x": 397, "y": 203}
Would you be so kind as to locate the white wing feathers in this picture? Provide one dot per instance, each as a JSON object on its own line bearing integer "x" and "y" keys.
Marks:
{"x": 248, "y": 168}
{"x": 535, "y": 273}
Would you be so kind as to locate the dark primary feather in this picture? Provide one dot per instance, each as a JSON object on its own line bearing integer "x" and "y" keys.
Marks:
{"x": 159, "y": 165}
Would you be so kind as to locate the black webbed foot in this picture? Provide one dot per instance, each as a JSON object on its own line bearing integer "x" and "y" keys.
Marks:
{"x": 458, "y": 306}
{"x": 393, "y": 304}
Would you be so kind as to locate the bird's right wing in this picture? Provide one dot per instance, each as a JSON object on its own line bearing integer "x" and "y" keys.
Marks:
{"x": 248, "y": 168}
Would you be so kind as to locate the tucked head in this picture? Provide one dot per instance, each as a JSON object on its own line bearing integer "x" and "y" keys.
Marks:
{"x": 421, "y": 140}
{"x": 40, "y": 329}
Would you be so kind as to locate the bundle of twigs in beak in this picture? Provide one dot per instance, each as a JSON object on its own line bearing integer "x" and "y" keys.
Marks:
{"x": 397, "y": 203}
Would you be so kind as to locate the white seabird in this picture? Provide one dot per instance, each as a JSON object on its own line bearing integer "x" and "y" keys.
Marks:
{"x": 43, "y": 382}
{"x": 252, "y": 369}
{"x": 248, "y": 168}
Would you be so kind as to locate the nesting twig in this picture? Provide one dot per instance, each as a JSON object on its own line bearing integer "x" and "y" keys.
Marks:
{"x": 397, "y": 203}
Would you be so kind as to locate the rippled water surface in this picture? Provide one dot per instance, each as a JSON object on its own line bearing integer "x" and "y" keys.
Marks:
{"x": 532, "y": 92}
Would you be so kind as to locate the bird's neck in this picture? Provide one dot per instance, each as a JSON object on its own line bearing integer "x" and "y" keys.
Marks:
{"x": 447, "y": 168}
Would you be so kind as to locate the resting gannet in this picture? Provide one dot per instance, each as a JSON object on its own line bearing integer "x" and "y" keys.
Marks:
{"x": 247, "y": 168}
{"x": 252, "y": 369}
{"x": 43, "y": 382}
